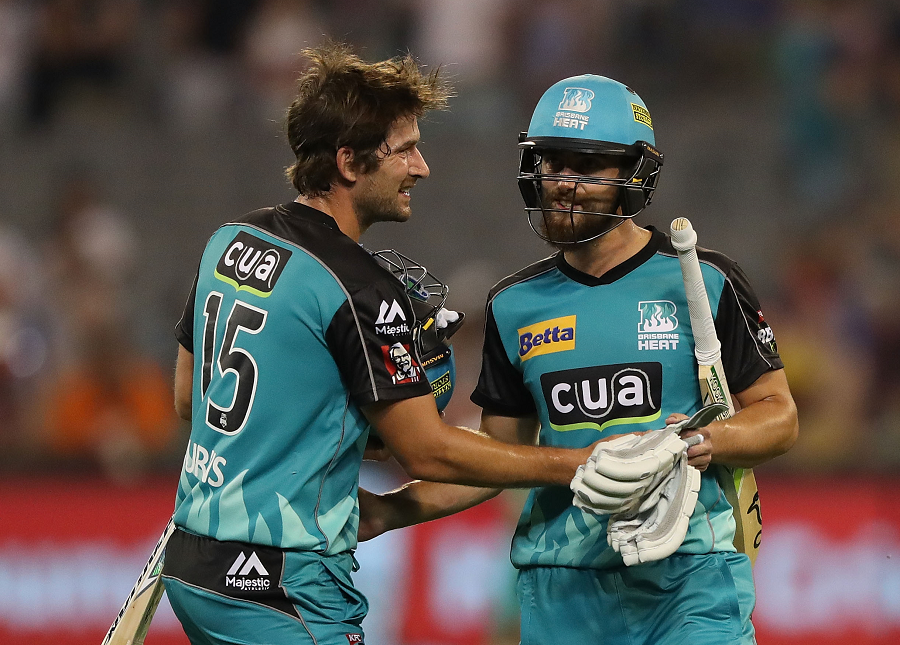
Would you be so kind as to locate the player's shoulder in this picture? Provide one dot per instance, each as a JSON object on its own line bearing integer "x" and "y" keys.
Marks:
{"x": 716, "y": 259}
{"x": 526, "y": 274}
{"x": 318, "y": 236}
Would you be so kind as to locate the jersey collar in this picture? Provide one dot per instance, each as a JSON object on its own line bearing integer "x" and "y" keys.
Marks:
{"x": 309, "y": 213}
{"x": 657, "y": 238}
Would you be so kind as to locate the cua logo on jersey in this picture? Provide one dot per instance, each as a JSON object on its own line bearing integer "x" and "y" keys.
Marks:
{"x": 657, "y": 325}
{"x": 547, "y": 337}
{"x": 251, "y": 264}
{"x": 391, "y": 319}
{"x": 603, "y": 396}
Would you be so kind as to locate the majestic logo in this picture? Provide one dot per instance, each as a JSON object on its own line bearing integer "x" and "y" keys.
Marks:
{"x": 576, "y": 99}
{"x": 388, "y": 314}
{"x": 547, "y": 337}
{"x": 603, "y": 396}
{"x": 656, "y": 329}
{"x": 240, "y": 575}
{"x": 251, "y": 264}
{"x": 641, "y": 115}
{"x": 400, "y": 363}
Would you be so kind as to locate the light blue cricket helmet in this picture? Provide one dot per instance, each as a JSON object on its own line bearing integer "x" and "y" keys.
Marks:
{"x": 593, "y": 115}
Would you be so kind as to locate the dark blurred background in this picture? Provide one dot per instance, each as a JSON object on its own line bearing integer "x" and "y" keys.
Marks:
{"x": 131, "y": 129}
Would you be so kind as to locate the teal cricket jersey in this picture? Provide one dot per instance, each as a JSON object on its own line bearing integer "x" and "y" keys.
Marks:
{"x": 293, "y": 327}
{"x": 594, "y": 357}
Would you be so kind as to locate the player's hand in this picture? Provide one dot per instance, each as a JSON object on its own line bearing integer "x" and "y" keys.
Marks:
{"x": 373, "y": 512}
{"x": 620, "y": 471}
{"x": 700, "y": 448}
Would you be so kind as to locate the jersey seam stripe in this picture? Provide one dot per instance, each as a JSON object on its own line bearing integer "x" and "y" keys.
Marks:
{"x": 362, "y": 339}
{"x": 521, "y": 281}
{"x": 737, "y": 299}
{"x": 328, "y": 470}
{"x": 712, "y": 530}
{"x": 299, "y": 615}
{"x": 517, "y": 282}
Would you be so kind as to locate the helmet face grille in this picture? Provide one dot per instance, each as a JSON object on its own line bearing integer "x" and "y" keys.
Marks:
{"x": 426, "y": 293}
{"x": 635, "y": 189}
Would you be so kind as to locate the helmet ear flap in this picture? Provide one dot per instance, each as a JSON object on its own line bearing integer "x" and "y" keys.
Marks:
{"x": 639, "y": 192}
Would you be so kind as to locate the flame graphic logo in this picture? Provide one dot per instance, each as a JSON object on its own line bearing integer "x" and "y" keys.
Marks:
{"x": 657, "y": 316}
{"x": 576, "y": 99}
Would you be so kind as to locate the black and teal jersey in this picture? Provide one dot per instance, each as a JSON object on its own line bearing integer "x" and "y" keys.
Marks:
{"x": 594, "y": 357}
{"x": 293, "y": 327}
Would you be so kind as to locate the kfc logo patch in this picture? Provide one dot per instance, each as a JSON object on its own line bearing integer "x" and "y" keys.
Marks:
{"x": 400, "y": 363}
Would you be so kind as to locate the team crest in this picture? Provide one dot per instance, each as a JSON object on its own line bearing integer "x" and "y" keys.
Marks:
{"x": 657, "y": 316}
{"x": 656, "y": 329}
{"x": 576, "y": 99}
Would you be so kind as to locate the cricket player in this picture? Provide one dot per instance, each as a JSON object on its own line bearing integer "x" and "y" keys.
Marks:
{"x": 594, "y": 342}
{"x": 288, "y": 345}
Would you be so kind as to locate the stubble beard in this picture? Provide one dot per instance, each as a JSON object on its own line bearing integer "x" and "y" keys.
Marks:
{"x": 565, "y": 230}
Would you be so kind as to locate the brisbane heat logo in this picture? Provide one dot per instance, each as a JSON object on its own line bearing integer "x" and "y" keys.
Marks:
{"x": 603, "y": 396}
{"x": 657, "y": 326}
{"x": 251, "y": 264}
{"x": 576, "y": 101}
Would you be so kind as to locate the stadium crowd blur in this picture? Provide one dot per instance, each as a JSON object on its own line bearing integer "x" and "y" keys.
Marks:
{"x": 129, "y": 129}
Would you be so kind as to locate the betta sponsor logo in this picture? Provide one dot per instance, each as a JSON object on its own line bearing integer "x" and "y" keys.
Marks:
{"x": 251, "y": 264}
{"x": 547, "y": 337}
{"x": 602, "y": 396}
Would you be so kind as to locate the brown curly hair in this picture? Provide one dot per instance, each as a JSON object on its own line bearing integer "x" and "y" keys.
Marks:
{"x": 345, "y": 101}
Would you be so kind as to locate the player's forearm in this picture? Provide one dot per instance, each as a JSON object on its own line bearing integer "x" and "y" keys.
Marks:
{"x": 762, "y": 431}
{"x": 423, "y": 501}
{"x": 462, "y": 456}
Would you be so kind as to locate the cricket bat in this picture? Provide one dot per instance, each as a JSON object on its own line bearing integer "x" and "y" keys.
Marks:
{"x": 133, "y": 620}
{"x": 739, "y": 484}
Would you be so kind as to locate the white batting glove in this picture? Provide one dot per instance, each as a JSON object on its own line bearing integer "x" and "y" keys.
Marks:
{"x": 445, "y": 317}
{"x": 620, "y": 472}
{"x": 658, "y": 526}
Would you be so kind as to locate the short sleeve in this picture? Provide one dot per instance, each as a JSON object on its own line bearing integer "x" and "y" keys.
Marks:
{"x": 370, "y": 338}
{"x": 748, "y": 343}
{"x": 500, "y": 388}
{"x": 184, "y": 330}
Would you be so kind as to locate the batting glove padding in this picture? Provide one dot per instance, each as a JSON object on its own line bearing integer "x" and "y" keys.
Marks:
{"x": 621, "y": 472}
{"x": 658, "y": 526}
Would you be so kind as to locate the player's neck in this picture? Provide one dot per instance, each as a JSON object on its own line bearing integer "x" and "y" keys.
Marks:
{"x": 337, "y": 204}
{"x": 608, "y": 251}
